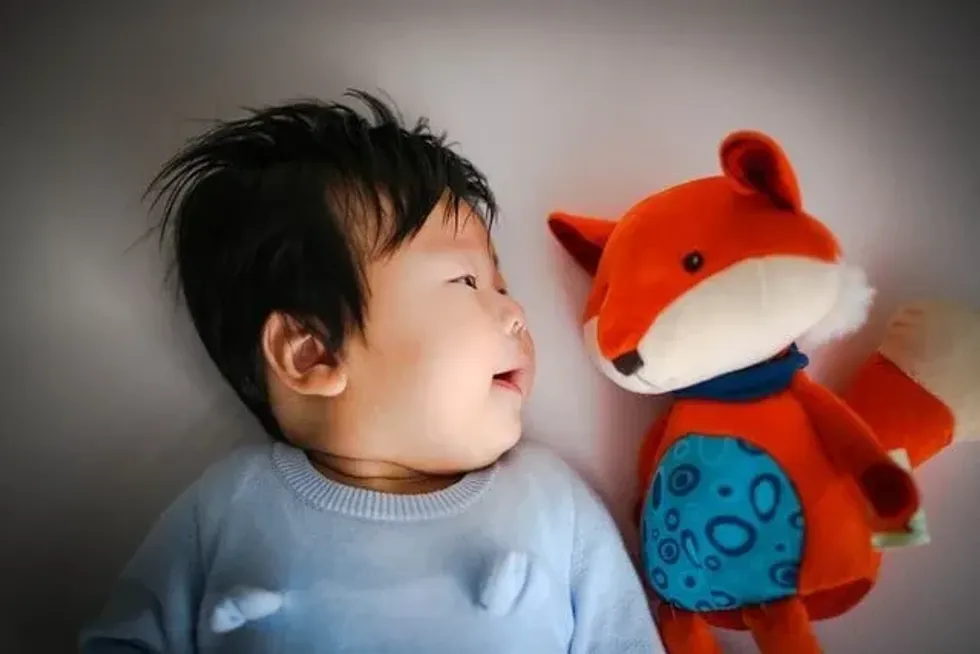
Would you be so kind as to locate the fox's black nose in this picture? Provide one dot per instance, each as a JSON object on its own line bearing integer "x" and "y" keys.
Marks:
{"x": 628, "y": 363}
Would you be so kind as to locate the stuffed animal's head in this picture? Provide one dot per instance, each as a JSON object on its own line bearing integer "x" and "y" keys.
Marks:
{"x": 713, "y": 275}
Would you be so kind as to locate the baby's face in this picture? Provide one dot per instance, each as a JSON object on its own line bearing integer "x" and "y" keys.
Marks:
{"x": 446, "y": 362}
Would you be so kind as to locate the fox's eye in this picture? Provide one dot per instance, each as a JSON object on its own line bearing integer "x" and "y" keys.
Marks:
{"x": 469, "y": 280}
{"x": 693, "y": 261}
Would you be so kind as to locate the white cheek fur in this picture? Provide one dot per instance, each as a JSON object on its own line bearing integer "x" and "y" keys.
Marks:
{"x": 740, "y": 317}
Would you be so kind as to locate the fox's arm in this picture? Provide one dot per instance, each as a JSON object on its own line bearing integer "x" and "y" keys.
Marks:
{"x": 899, "y": 410}
{"x": 647, "y": 460}
{"x": 921, "y": 389}
{"x": 853, "y": 449}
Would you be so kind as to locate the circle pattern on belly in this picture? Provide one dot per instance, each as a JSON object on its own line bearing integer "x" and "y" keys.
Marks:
{"x": 722, "y": 526}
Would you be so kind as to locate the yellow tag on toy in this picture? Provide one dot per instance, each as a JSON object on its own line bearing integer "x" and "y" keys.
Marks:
{"x": 916, "y": 533}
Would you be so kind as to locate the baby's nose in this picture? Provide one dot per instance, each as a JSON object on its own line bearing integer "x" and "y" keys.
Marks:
{"x": 514, "y": 320}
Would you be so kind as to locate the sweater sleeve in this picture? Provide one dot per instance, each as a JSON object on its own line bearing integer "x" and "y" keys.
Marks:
{"x": 153, "y": 605}
{"x": 612, "y": 612}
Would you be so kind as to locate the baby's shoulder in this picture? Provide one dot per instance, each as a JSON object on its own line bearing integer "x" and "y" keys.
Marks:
{"x": 537, "y": 459}
{"x": 543, "y": 482}
{"x": 234, "y": 477}
{"x": 540, "y": 468}
{"x": 240, "y": 463}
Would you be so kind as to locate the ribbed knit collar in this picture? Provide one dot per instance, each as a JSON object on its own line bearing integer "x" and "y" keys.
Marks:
{"x": 328, "y": 495}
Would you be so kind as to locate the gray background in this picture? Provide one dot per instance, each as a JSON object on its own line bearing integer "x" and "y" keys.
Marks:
{"x": 109, "y": 406}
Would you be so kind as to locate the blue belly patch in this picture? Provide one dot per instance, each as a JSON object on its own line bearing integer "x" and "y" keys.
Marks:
{"x": 722, "y": 526}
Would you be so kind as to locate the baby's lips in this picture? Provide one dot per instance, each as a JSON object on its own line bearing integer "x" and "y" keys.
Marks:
{"x": 521, "y": 379}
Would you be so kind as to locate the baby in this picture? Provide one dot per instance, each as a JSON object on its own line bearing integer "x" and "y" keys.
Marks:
{"x": 339, "y": 270}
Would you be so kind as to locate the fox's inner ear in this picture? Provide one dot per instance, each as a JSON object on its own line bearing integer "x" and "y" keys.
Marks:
{"x": 583, "y": 238}
{"x": 756, "y": 164}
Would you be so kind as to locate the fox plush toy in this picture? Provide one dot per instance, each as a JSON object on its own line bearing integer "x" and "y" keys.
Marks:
{"x": 762, "y": 491}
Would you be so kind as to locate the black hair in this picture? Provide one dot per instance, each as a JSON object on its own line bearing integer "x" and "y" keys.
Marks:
{"x": 269, "y": 213}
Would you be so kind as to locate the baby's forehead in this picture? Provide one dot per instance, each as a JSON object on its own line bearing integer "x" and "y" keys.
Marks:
{"x": 493, "y": 253}
{"x": 477, "y": 241}
{"x": 465, "y": 233}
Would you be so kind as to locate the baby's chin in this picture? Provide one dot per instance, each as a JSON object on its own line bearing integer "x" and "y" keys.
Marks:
{"x": 504, "y": 446}
{"x": 476, "y": 458}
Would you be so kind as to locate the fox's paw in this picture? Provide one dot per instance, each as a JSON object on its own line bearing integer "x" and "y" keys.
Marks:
{"x": 938, "y": 345}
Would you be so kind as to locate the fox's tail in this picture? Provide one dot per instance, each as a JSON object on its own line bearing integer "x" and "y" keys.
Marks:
{"x": 920, "y": 391}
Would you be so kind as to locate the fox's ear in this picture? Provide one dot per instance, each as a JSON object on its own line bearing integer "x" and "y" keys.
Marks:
{"x": 583, "y": 238}
{"x": 756, "y": 164}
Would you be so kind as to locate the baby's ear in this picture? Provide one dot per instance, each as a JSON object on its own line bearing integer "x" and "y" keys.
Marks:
{"x": 755, "y": 163}
{"x": 583, "y": 238}
{"x": 299, "y": 359}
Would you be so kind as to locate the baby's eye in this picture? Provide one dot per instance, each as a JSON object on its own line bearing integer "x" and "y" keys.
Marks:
{"x": 469, "y": 280}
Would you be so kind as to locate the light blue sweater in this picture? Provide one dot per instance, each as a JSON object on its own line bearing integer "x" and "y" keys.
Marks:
{"x": 264, "y": 554}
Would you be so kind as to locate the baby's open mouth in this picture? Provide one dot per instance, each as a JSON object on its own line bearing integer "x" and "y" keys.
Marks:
{"x": 511, "y": 380}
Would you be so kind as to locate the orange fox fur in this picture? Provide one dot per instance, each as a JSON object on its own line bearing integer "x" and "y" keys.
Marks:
{"x": 832, "y": 449}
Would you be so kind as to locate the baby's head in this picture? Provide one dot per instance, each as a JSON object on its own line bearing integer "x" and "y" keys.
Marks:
{"x": 340, "y": 273}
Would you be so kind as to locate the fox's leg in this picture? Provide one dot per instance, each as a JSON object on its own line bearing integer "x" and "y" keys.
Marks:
{"x": 782, "y": 627}
{"x": 684, "y": 632}
{"x": 921, "y": 390}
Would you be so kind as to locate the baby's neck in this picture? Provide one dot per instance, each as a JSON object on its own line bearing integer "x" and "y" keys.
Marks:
{"x": 379, "y": 476}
